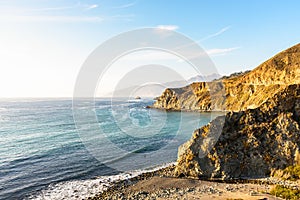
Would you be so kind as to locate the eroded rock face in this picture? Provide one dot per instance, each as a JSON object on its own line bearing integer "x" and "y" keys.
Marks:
{"x": 260, "y": 133}
{"x": 238, "y": 93}
{"x": 251, "y": 143}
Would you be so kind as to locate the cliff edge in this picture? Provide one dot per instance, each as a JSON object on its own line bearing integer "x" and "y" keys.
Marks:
{"x": 252, "y": 142}
{"x": 260, "y": 132}
{"x": 245, "y": 91}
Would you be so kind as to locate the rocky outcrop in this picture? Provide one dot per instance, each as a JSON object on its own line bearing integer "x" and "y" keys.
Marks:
{"x": 260, "y": 132}
{"x": 188, "y": 98}
{"x": 248, "y": 143}
{"x": 240, "y": 92}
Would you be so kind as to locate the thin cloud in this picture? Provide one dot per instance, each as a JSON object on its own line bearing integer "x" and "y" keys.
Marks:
{"x": 51, "y": 9}
{"x": 61, "y": 8}
{"x": 90, "y": 7}
{"x": 126, "y": 5}
{"x": 78, "y": 5}
{"x": 205, "y": 38}
{"x": 213, "y": 52}
{"x": 168, "y": 27}
{"x": 43, "y": 18}
{"x": 44, "y": 14}
{"x": 163, "y": 56}
{"x": 224, "y": 51}
{"x": 223, "y": 30}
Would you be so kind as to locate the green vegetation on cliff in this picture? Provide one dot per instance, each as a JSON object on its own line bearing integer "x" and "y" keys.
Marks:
{"x": 285, "y": 193}
{"x": 291, "y": 173}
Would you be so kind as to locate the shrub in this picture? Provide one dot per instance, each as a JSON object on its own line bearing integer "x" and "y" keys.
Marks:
{"x": 285, "y": 193}
{"x": 291, "y": 173}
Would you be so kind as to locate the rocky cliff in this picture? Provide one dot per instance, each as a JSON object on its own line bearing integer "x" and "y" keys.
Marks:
{"x": 252, "y": 143}
{"x": 245, "y": 91}
{"x": 260, "y": 132}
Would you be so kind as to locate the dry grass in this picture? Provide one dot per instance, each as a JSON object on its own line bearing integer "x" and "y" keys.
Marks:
{"x": 285, "y": 193}
{"x": 291, "y": 173}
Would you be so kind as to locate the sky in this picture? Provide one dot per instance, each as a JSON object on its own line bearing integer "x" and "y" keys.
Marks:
{"x": 43, "y": 43}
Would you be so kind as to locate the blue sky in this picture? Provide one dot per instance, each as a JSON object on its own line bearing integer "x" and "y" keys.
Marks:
{"x": 45, "y": 42}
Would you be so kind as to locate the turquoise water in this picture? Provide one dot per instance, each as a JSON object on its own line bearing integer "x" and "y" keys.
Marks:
{"x": 40, "y": 147}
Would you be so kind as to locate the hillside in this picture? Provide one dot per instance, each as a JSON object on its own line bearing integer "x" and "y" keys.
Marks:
{"x": 245, "y": 91}
{"x": 260, "y": 132}
{"x": 252, "y": 143}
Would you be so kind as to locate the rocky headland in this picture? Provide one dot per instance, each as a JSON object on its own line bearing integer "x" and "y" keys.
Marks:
{"x": 251, "y": 152}
{"x": 260, "y": 131}
{"x": 239, "y": 92}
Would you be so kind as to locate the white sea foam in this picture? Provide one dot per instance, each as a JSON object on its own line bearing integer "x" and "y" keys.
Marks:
{"x": 4, "y": 119}
{"x": 3, "y": 109}
{"x": 134, "y": 100}
{"x": 82, "y": 189}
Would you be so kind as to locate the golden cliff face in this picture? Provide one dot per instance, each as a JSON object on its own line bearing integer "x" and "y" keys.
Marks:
{"x": 186, "y": 98}
{"x": 260, "y": 134}
{"x": 243, "y": 92}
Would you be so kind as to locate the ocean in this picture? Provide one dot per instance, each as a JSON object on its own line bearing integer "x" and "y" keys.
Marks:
{"x": 43, "y": 156}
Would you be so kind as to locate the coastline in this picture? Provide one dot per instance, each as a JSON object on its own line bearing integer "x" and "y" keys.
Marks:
{"x": 161, "y": 184}
{"x": 90, "y": 188}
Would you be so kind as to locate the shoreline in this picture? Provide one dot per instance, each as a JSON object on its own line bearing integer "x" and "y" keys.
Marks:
{"x": 88, "y": 188}
{"x": 161, "y": 184}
